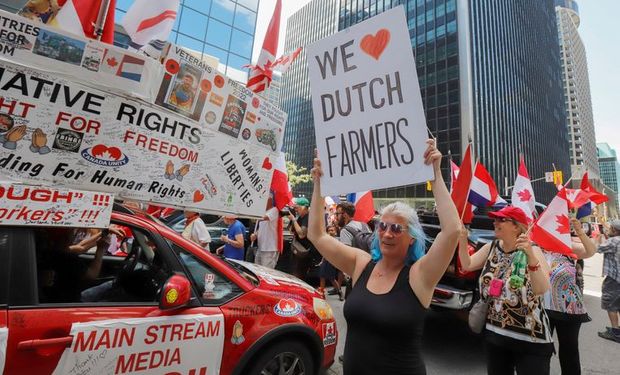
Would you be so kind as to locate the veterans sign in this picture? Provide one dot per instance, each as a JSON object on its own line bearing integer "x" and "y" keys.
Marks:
{"x": 368, "y": 116}
{"x": 39, "y": 205}
{"x": 53, "y": 50}
{"x": 187, "y": 344}
{"x": 58, "y": 132}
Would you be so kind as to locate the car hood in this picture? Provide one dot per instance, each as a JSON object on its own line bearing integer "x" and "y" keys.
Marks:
{"x": 274, "y": 279}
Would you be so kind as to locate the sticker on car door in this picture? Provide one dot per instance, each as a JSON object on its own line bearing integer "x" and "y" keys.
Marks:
{"x": 179, "y": 345}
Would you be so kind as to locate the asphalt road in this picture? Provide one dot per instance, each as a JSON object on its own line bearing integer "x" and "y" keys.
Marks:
{"x": 449, "y": 348}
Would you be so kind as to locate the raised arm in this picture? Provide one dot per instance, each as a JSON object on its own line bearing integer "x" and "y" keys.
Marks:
{"x": 426, "y": 273}
{"x": 586, "y": 248}
{"x": 338, "y": 254}
{"x": 473, "y": 262}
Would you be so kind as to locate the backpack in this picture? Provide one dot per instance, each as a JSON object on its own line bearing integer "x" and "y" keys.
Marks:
{"x": 362, "y": 240}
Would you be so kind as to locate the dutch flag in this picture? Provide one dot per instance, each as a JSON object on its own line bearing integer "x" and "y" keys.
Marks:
{"x": 482, "y": 191}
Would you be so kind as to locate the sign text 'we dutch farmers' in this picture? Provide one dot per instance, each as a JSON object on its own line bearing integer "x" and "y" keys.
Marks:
{"x": 368, "y": 116}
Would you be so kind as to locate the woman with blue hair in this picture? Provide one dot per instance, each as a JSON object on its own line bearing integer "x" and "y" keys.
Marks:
{"x": 392, "y": 286}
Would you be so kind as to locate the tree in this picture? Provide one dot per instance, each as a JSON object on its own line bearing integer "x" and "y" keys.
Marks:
{"x": 297, "y": 175}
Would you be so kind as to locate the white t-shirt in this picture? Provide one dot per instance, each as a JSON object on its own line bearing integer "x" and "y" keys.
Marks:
{"x": 267, "y": 233}
{"x": 199, "y": 233}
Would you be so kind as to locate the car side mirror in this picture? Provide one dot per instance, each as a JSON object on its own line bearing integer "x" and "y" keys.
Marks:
{"x": 176, "y": 293}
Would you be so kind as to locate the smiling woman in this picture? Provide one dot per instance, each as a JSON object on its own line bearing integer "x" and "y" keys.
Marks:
{"x": 393, "y": 286}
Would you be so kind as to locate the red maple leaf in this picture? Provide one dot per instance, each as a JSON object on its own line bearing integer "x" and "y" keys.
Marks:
{"x": 524, "y": 195}
{"x": 112, "y": 62}
{"x": 563, "y": 224}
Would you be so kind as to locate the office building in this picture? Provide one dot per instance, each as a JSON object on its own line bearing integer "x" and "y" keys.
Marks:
{"x": 314, "y": 21}
{"x": 609, "y": 169}
{"x": 577, "y": 100}
{"x": 489, "y": 71}
{"x": 222, "y": 29}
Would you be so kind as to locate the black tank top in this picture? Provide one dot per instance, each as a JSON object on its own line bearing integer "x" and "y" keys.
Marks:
{"x": 384, "y": 331}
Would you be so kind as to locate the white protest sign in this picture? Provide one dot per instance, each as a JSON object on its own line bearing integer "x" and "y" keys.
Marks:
{"x": 194, "y": 89}
{"x": 57, "y": 132}
{"x": 43, "y": 47}
{"x": 40, "y": 205}
{"x": 166, "y": 345}
{"x": 4, "y": 336}
{"x": 368, "y": 116}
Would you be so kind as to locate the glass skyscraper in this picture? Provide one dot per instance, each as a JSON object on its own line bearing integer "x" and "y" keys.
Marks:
{"x": 314, "y": 21}
{"x": 577, "y": 100}
{"x": 489, "y": 71}
{"x": 610, "y": 169}
{"x": 223, "y": 29}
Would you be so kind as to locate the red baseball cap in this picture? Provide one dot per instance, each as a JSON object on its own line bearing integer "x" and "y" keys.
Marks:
{"x": 513, "y": 213}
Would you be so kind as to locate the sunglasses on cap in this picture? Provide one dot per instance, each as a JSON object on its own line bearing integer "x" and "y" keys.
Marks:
{"x": 395, "y": 228}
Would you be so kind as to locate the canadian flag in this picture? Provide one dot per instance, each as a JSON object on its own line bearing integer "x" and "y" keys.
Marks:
{"x": 148, "y": 20}
{"x": 284, "y": 62}
{"x": 364, "y": 205}
{"x": 577, "y": 197}
{"x": 80, "y": 16}
{"x": 261, "y": 73}
{"x": 282, "y": 194}
{"x": 552, "y": 229}
{"x": 522, "y": 192}
{"x": 454, "y": 174}
{"x": 595, "y": 196}
{"x": 460, "y": 191}
{"x": 482, "y": 191}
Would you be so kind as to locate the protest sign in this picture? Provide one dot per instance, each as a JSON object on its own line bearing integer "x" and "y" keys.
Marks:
{"x": 368, "y": 117}
{"x": 166, "y": 345}
{"x": 39, "y": 205}
{"x": 52, "y": 50}
{"x": 57, "y": 132}
{"x": 4, "y": 336}
{"x": 192, "y": 88}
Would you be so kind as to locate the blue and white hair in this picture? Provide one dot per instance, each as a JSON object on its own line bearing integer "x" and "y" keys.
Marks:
{"x": 415, "y": 251}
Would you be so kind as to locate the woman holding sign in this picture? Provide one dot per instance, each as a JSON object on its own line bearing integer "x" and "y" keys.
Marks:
{"x": 394, "y": 284}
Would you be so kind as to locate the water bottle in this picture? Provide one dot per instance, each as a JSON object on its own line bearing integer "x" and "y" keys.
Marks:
{"x": 519, "y": 262}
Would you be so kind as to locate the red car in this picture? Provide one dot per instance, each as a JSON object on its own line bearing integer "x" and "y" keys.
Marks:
{"x": 168, "y": 307}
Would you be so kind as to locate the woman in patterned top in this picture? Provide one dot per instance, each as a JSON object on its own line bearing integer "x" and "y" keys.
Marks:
{"x": 517, "y": 328}
{"x": 564, "y": 301}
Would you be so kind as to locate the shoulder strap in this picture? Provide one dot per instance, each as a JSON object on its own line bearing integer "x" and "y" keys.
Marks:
{"x": 366, "y": 272}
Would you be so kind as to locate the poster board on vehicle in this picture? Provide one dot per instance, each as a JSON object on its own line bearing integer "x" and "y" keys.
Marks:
{"x": 44, "y": 206}
{"x": 165, "y": 345}
{"x": 192, "y": 88}
{"x": 44, "y": 47}
{"x": 53, "y": 131}
{"x": 368, "y": 116}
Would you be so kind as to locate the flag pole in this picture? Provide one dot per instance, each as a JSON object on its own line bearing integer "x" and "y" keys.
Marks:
{"x": 101, "y": 17}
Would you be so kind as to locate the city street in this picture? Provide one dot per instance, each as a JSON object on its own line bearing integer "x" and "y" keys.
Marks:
{"x": 449, "y": 347}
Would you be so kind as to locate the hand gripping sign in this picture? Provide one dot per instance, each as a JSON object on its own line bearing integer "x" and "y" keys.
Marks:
{"x": 369, "y": 121}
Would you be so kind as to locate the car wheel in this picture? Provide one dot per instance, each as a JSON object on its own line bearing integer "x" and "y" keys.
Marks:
{"x": 285, "y": 358}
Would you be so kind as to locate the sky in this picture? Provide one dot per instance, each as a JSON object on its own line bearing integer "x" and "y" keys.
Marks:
{"x": 598, "y": 32}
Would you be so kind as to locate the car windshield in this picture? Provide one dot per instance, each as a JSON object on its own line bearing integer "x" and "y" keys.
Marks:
{"x": 243, "y": 271}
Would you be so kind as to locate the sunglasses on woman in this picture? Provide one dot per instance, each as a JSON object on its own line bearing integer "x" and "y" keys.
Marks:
{"x": 502, "y": 219}
{"x": 395, "y": 228}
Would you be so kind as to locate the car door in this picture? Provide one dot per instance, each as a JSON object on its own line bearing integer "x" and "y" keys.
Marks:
{"x": 4, "y": 287}
{"x": 45, "y": 333}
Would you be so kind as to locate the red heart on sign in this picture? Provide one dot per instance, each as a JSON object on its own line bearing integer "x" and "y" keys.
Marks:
{"x": 267, "y": 164}
{"x": 198, "y": 196}
{"x": 375, "y": 45}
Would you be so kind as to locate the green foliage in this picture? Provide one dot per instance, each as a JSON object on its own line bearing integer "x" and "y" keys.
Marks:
{"x": 297, "y": 175}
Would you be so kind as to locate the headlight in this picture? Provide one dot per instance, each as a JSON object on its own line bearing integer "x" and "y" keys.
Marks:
{"x": 322, "y": 309}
